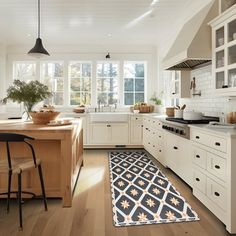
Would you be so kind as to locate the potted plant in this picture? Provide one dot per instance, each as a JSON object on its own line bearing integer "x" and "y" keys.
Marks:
{"x": 157, "y": 102}
{"x": 27, "y": 93}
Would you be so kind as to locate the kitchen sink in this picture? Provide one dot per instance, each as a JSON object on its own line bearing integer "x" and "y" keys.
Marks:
{"x": 108, "y": 117}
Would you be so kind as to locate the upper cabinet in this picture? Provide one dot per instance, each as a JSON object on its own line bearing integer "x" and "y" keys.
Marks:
{"x": 224, "y": 52}
{"x": 226, "y": 4}
{"x": 180, "y": 84}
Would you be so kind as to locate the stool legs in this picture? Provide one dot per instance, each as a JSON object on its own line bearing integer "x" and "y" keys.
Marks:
{"x": 42, "y": 187}
{"x": 19, "y": 200}
{"x": 9, "y": 191}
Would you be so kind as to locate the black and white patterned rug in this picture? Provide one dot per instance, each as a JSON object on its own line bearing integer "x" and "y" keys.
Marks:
{"x": 141, "y": 194}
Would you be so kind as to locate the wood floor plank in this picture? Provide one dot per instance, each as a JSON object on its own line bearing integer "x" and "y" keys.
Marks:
{"x": 91, "y": 214}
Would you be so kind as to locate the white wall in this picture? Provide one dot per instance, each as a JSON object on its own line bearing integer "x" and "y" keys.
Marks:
{"x": 2, "y": 74}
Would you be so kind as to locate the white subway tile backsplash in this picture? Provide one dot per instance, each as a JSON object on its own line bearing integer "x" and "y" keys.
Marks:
{"x": 207, "y": 102}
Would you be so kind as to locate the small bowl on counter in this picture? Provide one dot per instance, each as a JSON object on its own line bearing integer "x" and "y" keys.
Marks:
{"x": 43, "y": 117}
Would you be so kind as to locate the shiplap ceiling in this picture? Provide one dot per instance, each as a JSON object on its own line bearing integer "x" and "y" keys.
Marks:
{"x": 90, "y": 21}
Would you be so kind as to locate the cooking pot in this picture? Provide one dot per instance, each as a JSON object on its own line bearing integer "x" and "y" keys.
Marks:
{"x": 192, "y": 115}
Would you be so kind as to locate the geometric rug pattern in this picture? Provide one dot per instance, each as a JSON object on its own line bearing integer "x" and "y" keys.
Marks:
{"x": 141, "y": 194}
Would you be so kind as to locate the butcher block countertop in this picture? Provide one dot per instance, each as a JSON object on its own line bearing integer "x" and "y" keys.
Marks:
{"x": 60, "y": 149}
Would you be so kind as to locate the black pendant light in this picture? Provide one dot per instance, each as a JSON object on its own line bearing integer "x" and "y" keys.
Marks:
{"x": 38, "y": 50}
{"x": 108, "y": 56}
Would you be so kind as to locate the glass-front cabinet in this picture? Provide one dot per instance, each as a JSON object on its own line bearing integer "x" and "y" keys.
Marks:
{"x": 224, "y": 52}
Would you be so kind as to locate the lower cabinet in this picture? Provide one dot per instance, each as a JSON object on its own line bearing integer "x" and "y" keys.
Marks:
{"x": 136, "y": 130}
{"x": 153, "y": 138}
{"x": 177, "y": 156}
{"x": 109, "y": 133}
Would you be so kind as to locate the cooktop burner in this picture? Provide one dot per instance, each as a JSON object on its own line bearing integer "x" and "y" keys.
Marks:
{"x": 204, "y": 120}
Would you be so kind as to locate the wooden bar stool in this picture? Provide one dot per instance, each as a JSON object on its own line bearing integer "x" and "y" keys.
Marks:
{"x": 11, "y": 165}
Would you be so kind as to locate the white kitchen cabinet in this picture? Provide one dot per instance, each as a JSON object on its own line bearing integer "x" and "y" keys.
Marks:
{"x": 153, "y": 138}
{"x": 109, "y": 133}
{"x": 180, "y": 84}
{"x": 136, "y": 130}
{"x": 224, "y": 52}
{"x": 177, "y": 156}
{"x": 214, "y": 164}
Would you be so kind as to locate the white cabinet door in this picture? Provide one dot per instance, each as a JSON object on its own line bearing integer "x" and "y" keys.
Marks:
{"x": 119, "y": 134}
{"x": 99, "y": 133}
{"x": 178, "y": 156}
{"x": 136, "y": 133}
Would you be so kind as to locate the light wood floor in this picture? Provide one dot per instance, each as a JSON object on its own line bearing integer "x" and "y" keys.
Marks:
{"x": 91, "y": 213}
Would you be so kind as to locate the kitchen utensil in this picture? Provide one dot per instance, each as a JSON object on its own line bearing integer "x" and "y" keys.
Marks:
{"x": 178, "y": 107}
{"x": 183, "y": 107}
{"x": 170, "y": 111}
{"x": 178, "y": 113}
{"x": 192, "y": 115}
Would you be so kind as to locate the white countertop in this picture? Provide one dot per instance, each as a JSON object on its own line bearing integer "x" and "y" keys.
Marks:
{"x": 217, "y": 131}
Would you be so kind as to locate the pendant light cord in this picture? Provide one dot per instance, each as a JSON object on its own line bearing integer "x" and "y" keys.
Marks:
{"x": 38, "y": 18}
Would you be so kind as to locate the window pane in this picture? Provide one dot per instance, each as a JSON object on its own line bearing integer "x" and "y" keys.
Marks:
{"x": 139, "y": 97}
{"x": 134, "y": 82}
{"x": 129, "y": 84}
{"x": 129, "y": 98}
{"x": 25, "y": 71}
{"x": 80, "y": 83}
{"x": 107, "y": 83}
{"x": 53, "y": 77}
{"x": 139, "y": 85}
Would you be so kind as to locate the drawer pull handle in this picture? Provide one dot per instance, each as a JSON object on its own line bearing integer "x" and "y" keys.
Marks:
{"x": 153, "y": 145}
{"x": 108, "y": 125}
{"x": 197, "y": 179}
{"x": 146, "y": 128}
{"x": 175, "y": 148}
{"x": 217, "y": 194}
{"x": 141, "y": 125}
{"x": 217, "y": 143}
{"x": 148, "y": 143}
{"x": 197, "y": 156}
{"x": 197, "y": 137}
{"x": 136, "y": 118}
{"x": 159, "y": 150}
{"x": 217, "y": 167}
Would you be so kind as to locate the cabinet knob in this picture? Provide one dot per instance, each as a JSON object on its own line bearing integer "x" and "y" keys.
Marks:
{"x": 141, "y": 125}
{"x": 108, "y": 125}
{"x": 159, "y": 136}
{"x": 153, "y": 145}
{"x": 197, "y": 156}
{"x": 175, "y": 148}
{"x": 197, "y": 137}
{"x": 197, "y": 179}
{"x": 217, "y": 166}
{"x": 217, "y": 194}
{"x": 217, "y": 143}
{"x": 173, "y": 93}
{"x": 159, "y": 150}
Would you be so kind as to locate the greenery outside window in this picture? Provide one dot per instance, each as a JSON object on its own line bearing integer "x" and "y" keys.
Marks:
{"x": 107, "y": 82}
{"x": 134, "y": 82}
{"x": 80, "y": 76}
{"x": 52, "y": 75}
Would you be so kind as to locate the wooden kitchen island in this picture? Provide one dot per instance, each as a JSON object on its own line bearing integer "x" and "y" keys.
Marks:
{"x": 60, "y": 149}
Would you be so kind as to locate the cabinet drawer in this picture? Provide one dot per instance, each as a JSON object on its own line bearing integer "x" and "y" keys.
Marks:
{"x": 211, "y": 141}
{"x": 199, "y": 181}
{"x": 216, "y": 193}
{"x": 199, "y": 157}
{"x": 216, "y": 165}
{"x": 137, "y": 118}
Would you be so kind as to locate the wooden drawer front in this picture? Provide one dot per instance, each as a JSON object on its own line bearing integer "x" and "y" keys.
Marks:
{"x": 216, "y": 193}
{"x": 199, "y": 181}
{"x": 211, "y": 141}
{"x": 137, "y": 118}
{"x": 216, "y": 165}
{"x": 199, "y": 157}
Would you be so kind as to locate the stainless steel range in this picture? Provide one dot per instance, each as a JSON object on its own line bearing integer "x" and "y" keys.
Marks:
{"x": 180, "y": 126}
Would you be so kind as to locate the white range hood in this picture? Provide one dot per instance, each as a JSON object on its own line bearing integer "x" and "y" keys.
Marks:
{"x": 192, "y": 46}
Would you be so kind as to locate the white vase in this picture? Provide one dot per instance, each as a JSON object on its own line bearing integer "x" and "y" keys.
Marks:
{"x": 158, "y": 108}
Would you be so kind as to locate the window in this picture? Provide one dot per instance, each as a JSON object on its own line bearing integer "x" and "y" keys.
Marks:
{"x": 53, "y": 77}
{"x": 134, "y": 87}
{"x": 80, "y": 75}
{"x": 25, "y": 71}
{"x": 107, "y": 82}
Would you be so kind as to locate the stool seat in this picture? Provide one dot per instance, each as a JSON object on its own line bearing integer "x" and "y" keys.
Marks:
{"x": 19, "y": 165}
